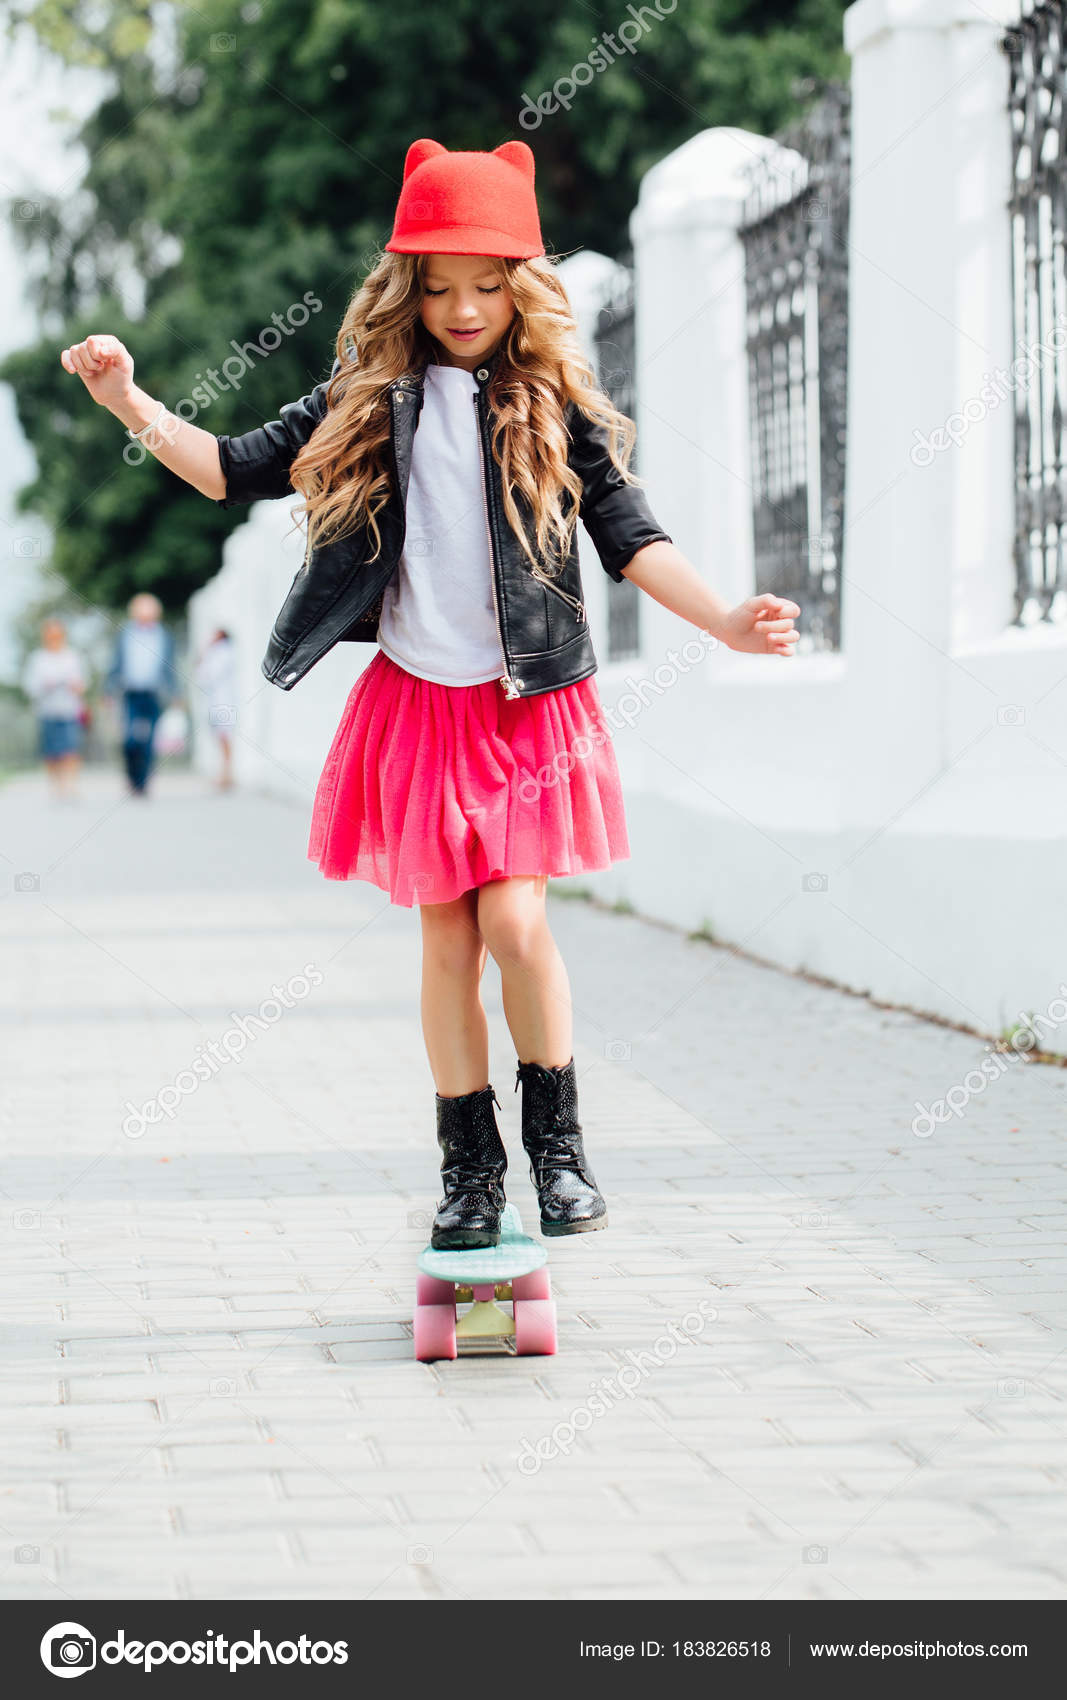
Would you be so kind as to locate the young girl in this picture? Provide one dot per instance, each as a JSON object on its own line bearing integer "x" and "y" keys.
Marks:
{"x": 443, "y": 466}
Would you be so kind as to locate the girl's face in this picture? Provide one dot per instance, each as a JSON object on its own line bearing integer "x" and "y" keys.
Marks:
{"x": 466, "y": 307}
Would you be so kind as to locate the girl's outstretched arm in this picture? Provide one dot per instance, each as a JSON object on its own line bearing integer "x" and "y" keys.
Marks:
{"x": 105, "y": 367}
{"x": 761, "y": 625}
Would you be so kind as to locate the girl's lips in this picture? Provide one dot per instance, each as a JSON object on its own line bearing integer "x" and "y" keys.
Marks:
{"x": 466, "y": 335}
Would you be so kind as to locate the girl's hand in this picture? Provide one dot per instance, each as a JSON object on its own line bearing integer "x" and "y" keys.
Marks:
{"x": 104, "y": 366}
{"x": 762, "y": 626}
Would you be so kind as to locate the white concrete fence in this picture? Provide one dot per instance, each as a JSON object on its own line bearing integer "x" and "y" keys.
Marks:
{"x": 891, "y": 817}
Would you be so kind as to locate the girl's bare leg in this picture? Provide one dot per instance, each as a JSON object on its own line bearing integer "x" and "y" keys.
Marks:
{"x": 536, "y": 988}
{"x": 453, "y": 1016}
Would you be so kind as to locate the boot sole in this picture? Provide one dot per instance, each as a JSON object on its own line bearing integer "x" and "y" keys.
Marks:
{"x": 555, "y": 1230}
{"x": 464, "y": 1241}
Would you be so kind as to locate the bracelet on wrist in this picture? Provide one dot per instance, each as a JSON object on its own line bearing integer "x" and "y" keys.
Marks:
{"x": 137, "y": 435}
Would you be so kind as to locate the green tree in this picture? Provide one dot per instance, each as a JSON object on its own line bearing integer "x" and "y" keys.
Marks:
{"x": 248, "y": 154}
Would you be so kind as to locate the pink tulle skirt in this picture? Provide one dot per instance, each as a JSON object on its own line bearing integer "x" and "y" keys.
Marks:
{"x": 430, "y": 790}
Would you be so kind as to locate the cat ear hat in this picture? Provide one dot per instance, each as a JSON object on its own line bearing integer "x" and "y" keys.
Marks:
{"x": 467, "y": 203}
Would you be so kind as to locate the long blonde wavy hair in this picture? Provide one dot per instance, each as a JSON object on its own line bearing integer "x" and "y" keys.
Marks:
{"x": 344, "y": 470}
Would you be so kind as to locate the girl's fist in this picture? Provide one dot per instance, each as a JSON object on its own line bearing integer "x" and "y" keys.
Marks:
{"x": 763, "y": 625}
{"x": 104, "y": 366}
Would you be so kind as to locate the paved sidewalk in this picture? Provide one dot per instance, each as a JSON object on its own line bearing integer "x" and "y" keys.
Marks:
{"x": 207, "y": 1359}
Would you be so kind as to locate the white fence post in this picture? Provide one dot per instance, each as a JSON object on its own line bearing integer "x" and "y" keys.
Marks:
{"x": 927, "y": 548}
{"x": 692, "y": 386}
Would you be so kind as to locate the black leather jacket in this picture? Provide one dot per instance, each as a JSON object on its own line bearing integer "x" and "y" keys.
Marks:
{"x": 336, "y": 595}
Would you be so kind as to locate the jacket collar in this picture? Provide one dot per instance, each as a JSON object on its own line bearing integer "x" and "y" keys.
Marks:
{"x": 482, "y": 374}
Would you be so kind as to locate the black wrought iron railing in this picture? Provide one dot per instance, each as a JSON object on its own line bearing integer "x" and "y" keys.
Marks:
{"x": 794, "y": 231}
{"x": 616, "y": 369}
{"x": 1037, "y": 62}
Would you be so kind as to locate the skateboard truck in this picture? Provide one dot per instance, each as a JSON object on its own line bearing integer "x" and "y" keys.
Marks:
{"x": 513, "y": 1272}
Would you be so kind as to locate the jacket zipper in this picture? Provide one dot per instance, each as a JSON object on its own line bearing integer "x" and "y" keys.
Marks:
{"x": 573, "y": 600}
{"x": 396, "y": 471}
{"x": 510, "y": 685}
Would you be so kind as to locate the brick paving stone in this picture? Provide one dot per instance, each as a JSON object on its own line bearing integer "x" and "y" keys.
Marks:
{"x": 208, "y": 1381}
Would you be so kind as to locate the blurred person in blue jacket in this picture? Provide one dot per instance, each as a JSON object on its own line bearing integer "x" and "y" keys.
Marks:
{"x": 143, "y": 673}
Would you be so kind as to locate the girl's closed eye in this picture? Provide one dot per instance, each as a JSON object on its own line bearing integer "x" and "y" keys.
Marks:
{"x": 495, "y": 290}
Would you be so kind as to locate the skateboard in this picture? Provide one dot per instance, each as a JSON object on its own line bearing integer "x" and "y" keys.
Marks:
{"x": 512, "y": 1271}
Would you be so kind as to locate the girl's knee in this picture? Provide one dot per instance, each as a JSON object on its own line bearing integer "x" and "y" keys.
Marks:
{"x": 450, "y": 935}
{"x": 513, "y": 924}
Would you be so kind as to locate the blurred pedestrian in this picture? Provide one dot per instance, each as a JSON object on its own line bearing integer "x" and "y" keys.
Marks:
{"x": 143, "y": 672}
{"x": 54, "y": 679}
{"x": 216, "y": 674}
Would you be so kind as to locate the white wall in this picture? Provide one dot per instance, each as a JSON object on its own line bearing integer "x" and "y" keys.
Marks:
{"x": 900, "y": 770}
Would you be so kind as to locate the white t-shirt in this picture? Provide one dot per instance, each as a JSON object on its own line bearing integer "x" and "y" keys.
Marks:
{"x": 438, "y": 619}
{"x": 50, "y": 680}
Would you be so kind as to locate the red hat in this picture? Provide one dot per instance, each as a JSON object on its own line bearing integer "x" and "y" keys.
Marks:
{"x": 467, "y": 203}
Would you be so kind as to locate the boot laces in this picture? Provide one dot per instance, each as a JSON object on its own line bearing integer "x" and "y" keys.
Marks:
{"x": 477, "y": 1177}
{"x": 476, "y": 1174}
{"x": 557, "y": 1149}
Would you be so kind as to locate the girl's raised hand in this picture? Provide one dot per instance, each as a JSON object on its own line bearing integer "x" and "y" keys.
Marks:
{"x": 104, "y": 365}
{"x": 763, "y": 625}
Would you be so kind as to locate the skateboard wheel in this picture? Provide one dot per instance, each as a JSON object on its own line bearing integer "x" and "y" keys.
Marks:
{"x": 535, "y": 1328}
{"x": 536, "y": 1285}
{"x": 430, "y": 1291}
{"x": 435, "y": 1332}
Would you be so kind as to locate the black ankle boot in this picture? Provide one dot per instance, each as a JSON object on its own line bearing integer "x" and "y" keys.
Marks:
{"x": 552, "y": 1139}
{"x": 473, "y": 1165}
